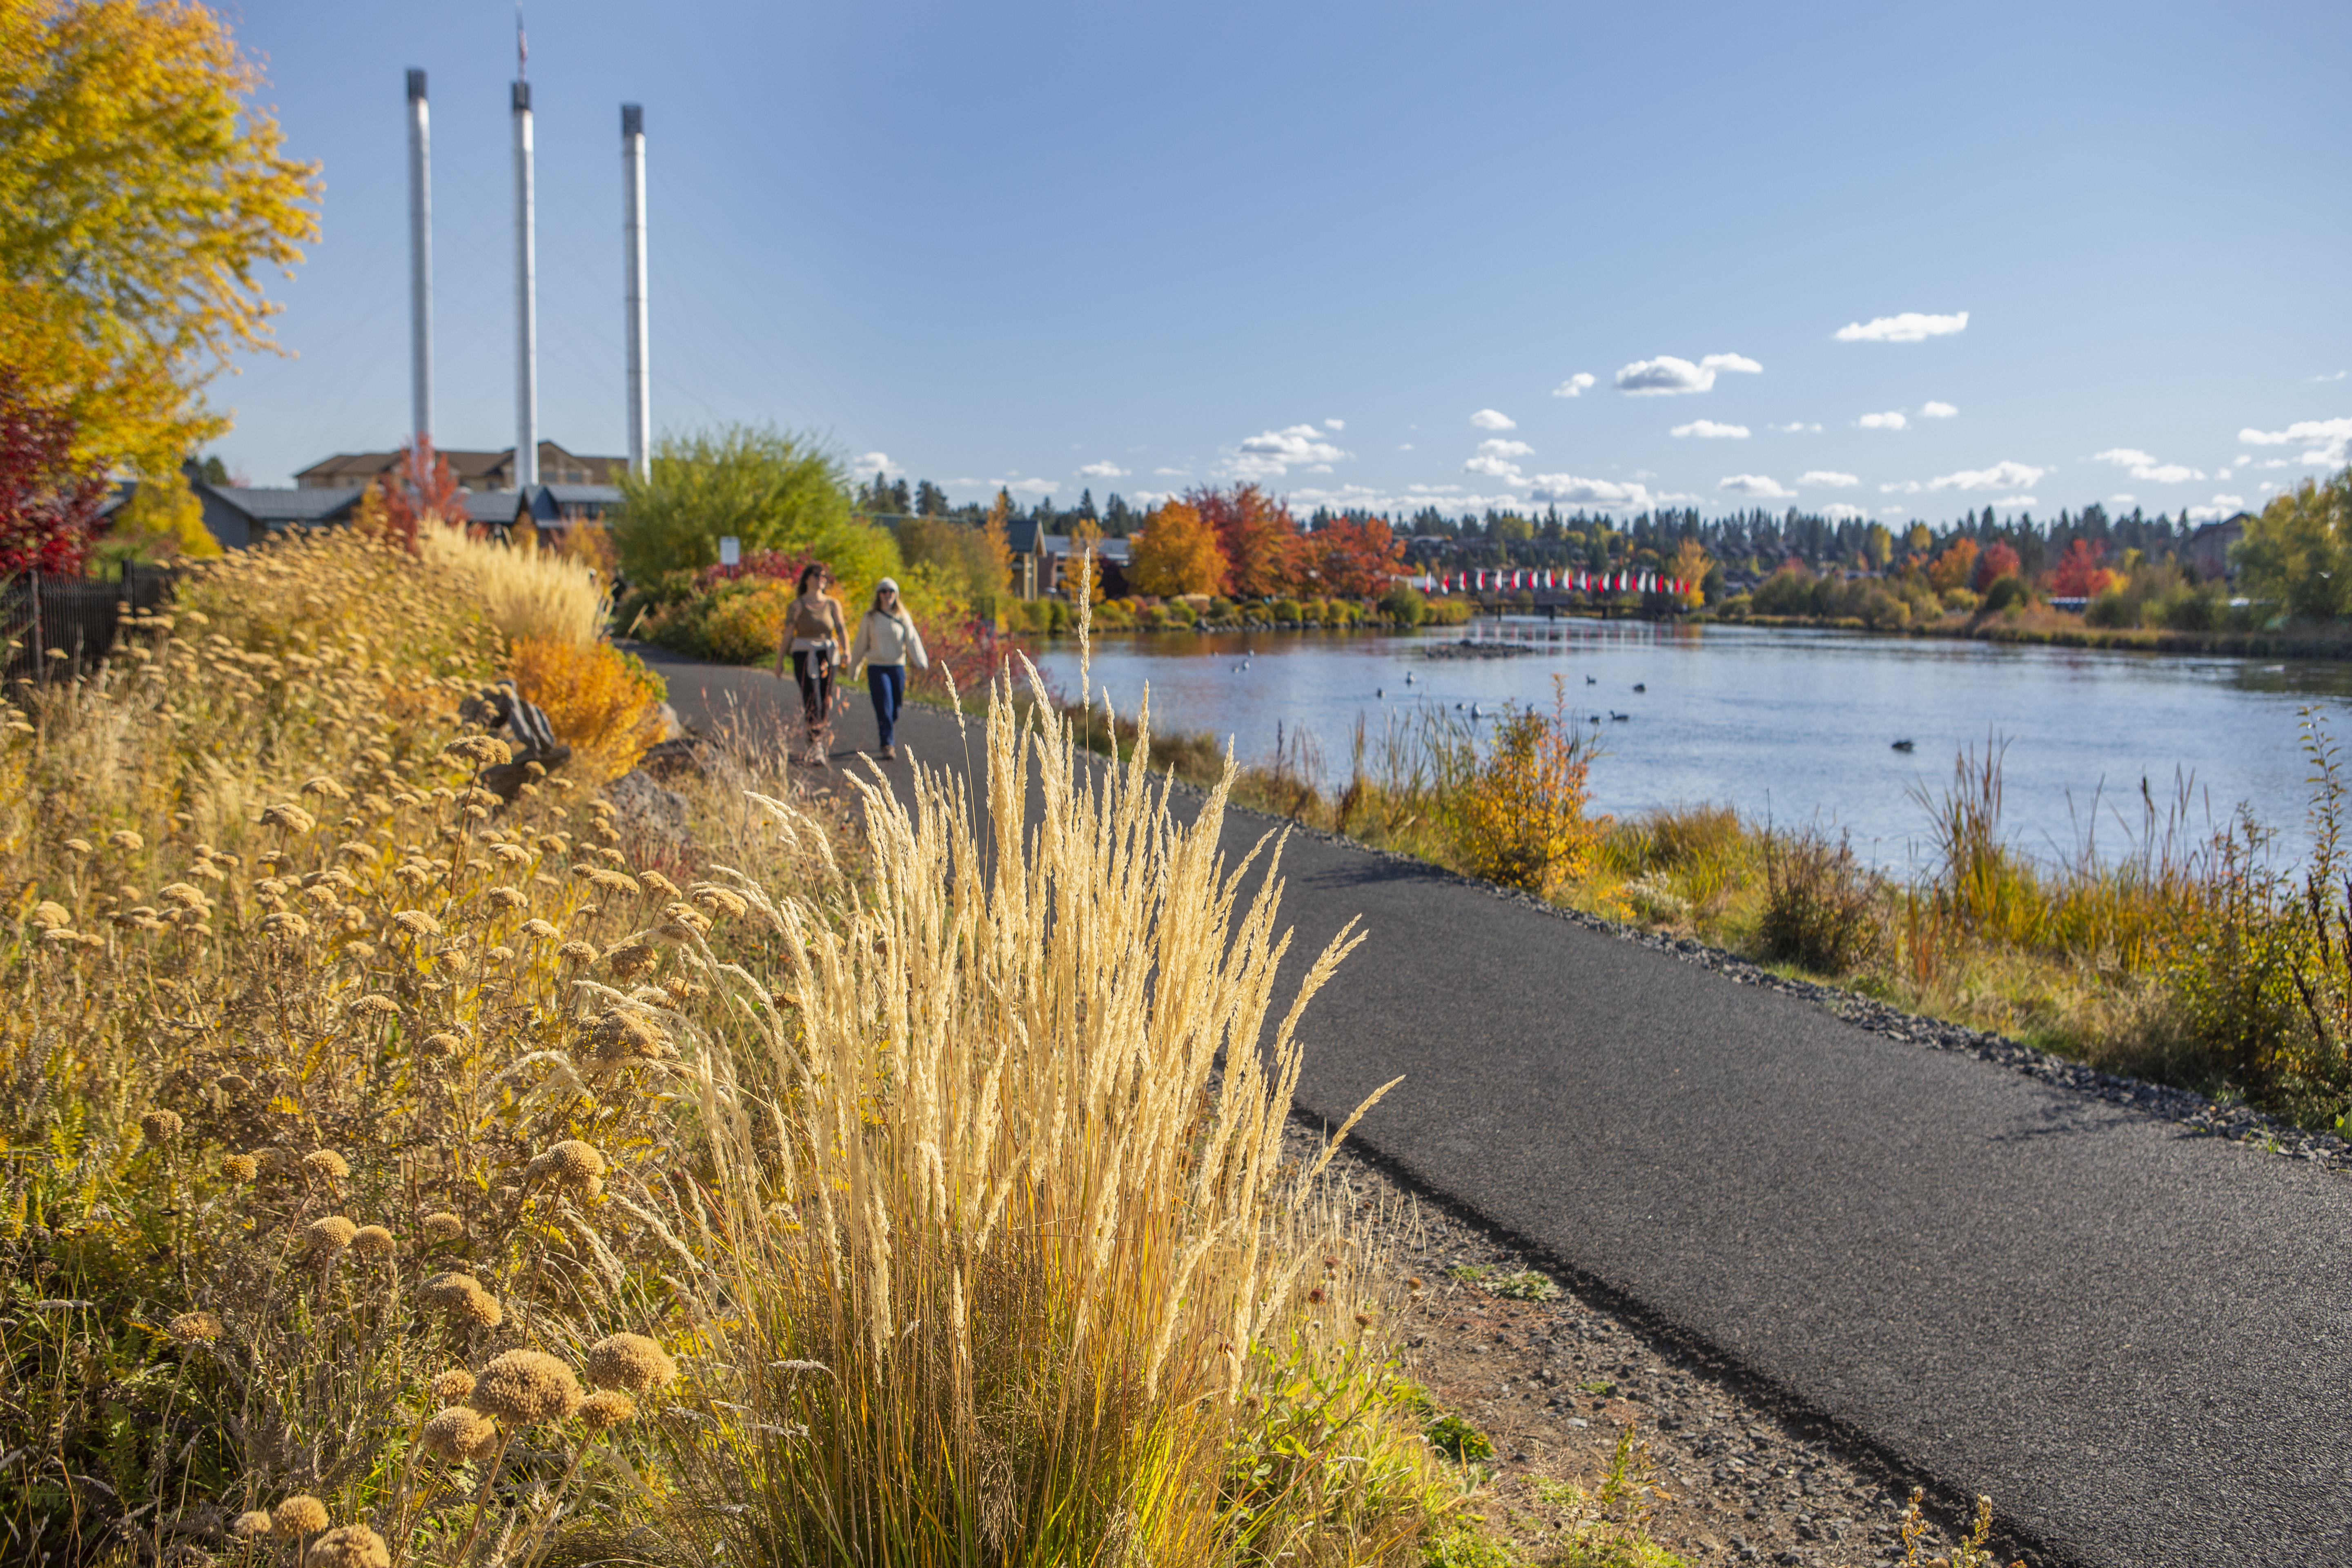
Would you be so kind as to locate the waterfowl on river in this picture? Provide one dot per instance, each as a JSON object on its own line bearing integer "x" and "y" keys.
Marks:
{"x": 1903, "y": 746}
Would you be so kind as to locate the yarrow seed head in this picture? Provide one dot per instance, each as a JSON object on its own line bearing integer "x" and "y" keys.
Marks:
{"x": 371, "y": 1241}
{"x": 459, "y": 1433}
{"x": 630, "y": 1361}
{"x": 443, "y": 1226}
{"x": 352, "y": 1546}
{"x": 251, "y": 1525}
{"x": 451, "y": 1387}
{"x": 191, "y": 1328}
{"x": 329, "y": 1234}
{"x": 160, "y": 1126}
{"x": 296, "y": 1516}
{"x": 570, "y": 1163}
{"x": 606, "y": 1409}
{"x": 326, "y": 1162}
{"x": 240, "y": 1167}
{"x": 525, "y": 1388}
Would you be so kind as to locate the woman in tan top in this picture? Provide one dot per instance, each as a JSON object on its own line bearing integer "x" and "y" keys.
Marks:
{"x": 814, "y": 632}
{"x": 887, "y": 643}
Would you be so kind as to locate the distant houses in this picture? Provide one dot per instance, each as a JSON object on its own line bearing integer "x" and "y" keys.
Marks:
{"x": 575, "y": 489}
{"x": 1039, "y": 560}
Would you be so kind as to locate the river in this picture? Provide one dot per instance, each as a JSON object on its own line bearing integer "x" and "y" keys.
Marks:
{"x": 1790, "y": 725}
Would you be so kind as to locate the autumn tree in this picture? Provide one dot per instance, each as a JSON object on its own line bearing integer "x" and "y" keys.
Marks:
{"x": 2297, "y": 555}
{"x": 142, "y": 192}
{"x": 419, "y": 490}
{"x": 162, "y": 521}
{"x": 1354, "y": 557}
{"x": 1177, "y": 552}
{"x": 1954, "y": 567}
{"x": 1689, "y": 567}
{"x": 2078, "y": 574}
{"x": 1997, "y": 561}
{"x": 1257, "y": 536}
{"x": 50, "y": 495}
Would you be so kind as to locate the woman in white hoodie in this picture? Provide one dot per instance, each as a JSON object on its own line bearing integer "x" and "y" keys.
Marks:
{"x": 887, "y": 641}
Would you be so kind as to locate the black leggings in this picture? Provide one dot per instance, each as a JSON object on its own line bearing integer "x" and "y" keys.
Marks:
{"x": 814, "y": 670}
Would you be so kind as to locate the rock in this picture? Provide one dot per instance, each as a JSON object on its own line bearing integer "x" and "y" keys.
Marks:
{"x": 645, "y": 805}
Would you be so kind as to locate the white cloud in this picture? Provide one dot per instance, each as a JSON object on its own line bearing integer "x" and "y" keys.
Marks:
{"x": 1335, "y": 424}
{"x": 2000, "y": 476}
{"x": 1490, "y": 419}
{"x": 1495, "y": 466}
{"x": 1667, "y": 375}
{"x": 2223, "y": 506}
{"x": 1708, "y": 429}
{"x": 2337, "y": 376}
{"x": 1567, "y": 489}
{"x": 1030, "y": 486}
{"x": 1172, "y": 473}
{"x": 1937, "y": 411}
{"x": 1839, "y": 511}
{"x": 2144, "y": 466}
{"x": 1274, "y": 453}
{"x": 1147, "y": 500}
{"x": 1795, "y": 427}
{"x": 2326, "y": 440}
{"x": 1828, "y": 478}
{"x": 1891, "y": 420}
{"x": 1910, "y": 327}
{"x": 871, "y": 463}
{"x": 1902, "y": 488}
{"x": 1574, "y": 385}
{"x": 1759, "y": 487}
{"x": 1406, "y": 447}
{"x": 1105, "y": 469}
{"x": 1495, "y": 446}
{"x": 2126, "y": 499}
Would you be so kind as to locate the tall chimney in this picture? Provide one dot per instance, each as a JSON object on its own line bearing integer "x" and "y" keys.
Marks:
{"x": 420, "y": 259}
{"x": 633, "y": 246}
{"x": 526, "y": 465}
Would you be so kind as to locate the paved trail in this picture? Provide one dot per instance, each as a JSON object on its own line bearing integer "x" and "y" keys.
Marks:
{"x": 2137, "y": 1341}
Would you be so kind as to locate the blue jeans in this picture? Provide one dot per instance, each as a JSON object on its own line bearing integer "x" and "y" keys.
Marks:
{"x": 886, "y": 684}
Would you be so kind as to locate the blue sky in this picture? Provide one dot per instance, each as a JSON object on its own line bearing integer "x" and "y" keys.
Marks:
{"x": 1363, "y": 253}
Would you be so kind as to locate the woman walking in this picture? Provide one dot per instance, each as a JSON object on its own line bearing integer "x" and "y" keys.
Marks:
{"x": 814, "y": 632}
{"x": 887, "y": 639}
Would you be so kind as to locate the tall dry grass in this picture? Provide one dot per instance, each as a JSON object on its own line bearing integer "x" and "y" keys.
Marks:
{"x": 525, "y": 593}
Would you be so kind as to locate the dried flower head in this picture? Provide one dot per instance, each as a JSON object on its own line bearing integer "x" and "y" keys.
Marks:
{"x": 577, "y": 952}
{"x": 511, "y": 854}
{"x": 721, "y": 900}
{"x": 570, "y": 1163}
{"x": 525, "y": 1388}
{"x": 160, "y": 1126}
{"x": 130, "y": 843}
{"x": 459, "y": 1433}
{"x": 290, "y": 817}
{"x": 630, "y": 1361}
{"x": 375, "y": 1004}
{"x": 483, "y": 751}
{"x": 77, "y": 846}
{"x": 660, "y": 884}
{"x": 189, "y": 1328}
{"x": 632, "y": 959}
{"x": 619, "y": 1036}
{"x": 328, "y": 1235}
{"x": 185, "y": 895}
{"x": 371, "y": 1241}
{"x": 606, "y": 1409}
{"x": 326, "y": 1162}
{"x": 417, "y": 923}
{"x": 537, "y": 928}
{"x": 352, "y": 1546}
{"x": 296, "y": 1516}
{"x": 612, "y": 881}
{"x": 286, "y": 926}
{"x": 461, "y": 1295}
{"x": 240, "y": 1167}
{"x": 251, "y": 1525}
{"x": 444, "y": 1228}
{"x": 325, "y": 786}
{"x": 507, "y": 898}
{"x": 51, "y": 915}
{"x": 443, "y": 1044}
{"x": 451, "y": 1387}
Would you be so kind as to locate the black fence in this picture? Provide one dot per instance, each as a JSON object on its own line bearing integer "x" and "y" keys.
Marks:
{"x": 53, "y": 626}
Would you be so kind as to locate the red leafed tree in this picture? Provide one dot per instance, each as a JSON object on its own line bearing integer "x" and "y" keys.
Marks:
{"x": 1354, "y": 557}
{"x": 48, "y": 498}
{"x": 1996, "y": 562}
{"x": 419, "y": 487}
{"x": 2078, "y": 574}
{"x": 1259, "y": 539}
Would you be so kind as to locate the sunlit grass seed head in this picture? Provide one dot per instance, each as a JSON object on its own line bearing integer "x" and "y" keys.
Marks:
{"x": 443, "y": 1226}
{"x": 526, "y": 1388}
{"x": 372, "y": 1241}
{"x": 631, "y": 1363}
{"x": 451, "y": 1387}
{"x": 352, "y": 1546}
{"x": 328, "y": 1235}
{"x": 460, "y": 1432}
{"x": 326, "y": 1162}
{"x": 252, "y": 1524}
{"x": 160, "y": 1126}
{"x": 240, "y": 1168}
{"x": 194, "y": 1328}
{"x": 298, "y": 1516}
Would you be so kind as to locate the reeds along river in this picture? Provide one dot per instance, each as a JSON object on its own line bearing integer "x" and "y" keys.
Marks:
{"x": 1797, "y": 726}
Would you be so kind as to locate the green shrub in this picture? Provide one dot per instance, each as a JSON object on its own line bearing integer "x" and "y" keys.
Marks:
{"x": 1405, "y": 605}
{"x": 1819, "y": 904}
{"x": 1284, "y": 610}
{"x": 2004, "y": 592}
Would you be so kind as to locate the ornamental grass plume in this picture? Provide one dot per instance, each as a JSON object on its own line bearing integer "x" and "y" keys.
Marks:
{"x": 526, "y": 1388}
{"x": 631, "y": 1363}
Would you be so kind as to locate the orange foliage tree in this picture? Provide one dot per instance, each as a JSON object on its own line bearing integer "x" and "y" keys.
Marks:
{"x": 1258, "y": 536}
{"x": 2078, "y": 574}
{"x": 1954, "y": 567}
{"x": 1353, "y": 558}
{"x": 1177, "y": 552}
{"x": 1997, "y": 561}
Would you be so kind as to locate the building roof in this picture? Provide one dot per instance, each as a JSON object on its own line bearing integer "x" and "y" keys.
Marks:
{"x": 280, "y": 506}
{"x": 490, "y": 506}
{"x": 473, "y": 471}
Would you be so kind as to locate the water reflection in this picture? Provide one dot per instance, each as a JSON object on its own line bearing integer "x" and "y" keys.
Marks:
{"x": 1797, "y": 726}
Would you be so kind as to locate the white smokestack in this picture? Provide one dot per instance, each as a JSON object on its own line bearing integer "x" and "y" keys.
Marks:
{"x": 420, "y": 259}
{"x": 633, "y": 246}
{"x": 526, "y": 299}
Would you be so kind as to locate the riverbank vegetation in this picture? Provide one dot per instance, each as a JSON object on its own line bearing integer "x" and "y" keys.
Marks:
{"x": 2164, "y": 946}
{"x": 398, "y": 1173}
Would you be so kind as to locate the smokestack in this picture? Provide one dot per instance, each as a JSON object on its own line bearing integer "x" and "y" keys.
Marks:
{"x": 633, "y": 246}
{"x": 526, "y": 299}
{"x": 420, "y": 259}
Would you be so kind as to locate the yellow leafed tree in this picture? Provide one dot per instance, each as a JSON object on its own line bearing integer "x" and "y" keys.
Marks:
{"x": 1177, "y": 552}
{"x": 140, "y": 193}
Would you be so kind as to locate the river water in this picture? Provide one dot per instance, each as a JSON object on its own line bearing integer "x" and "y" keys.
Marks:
{"x": 1793, "y": 726}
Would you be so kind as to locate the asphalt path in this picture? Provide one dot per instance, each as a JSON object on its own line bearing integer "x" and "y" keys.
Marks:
{"x": 2136, "y": 1339}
